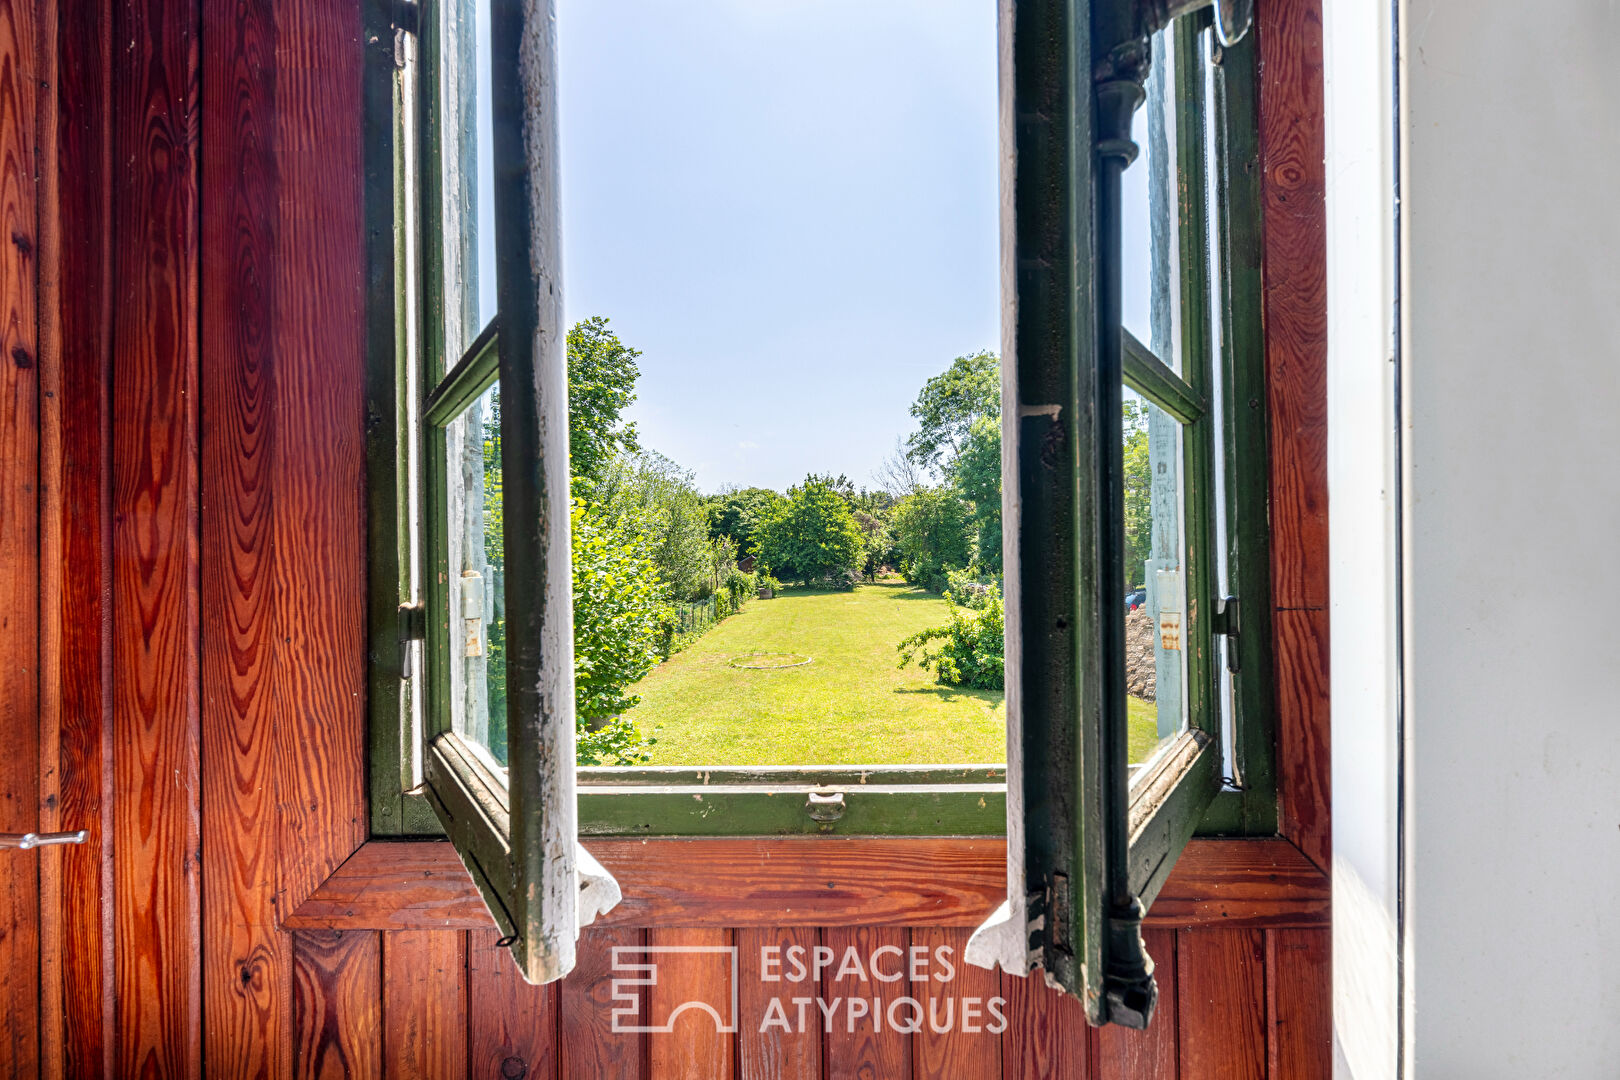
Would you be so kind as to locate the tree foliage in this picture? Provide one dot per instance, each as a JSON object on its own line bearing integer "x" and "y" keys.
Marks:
{"x": 1138, "y": 494}
{"x": 976, "y": 472}
{"x": 602, "y": 375}
{"x": 949, "y": 403}
{"x": 738, "y": 514}
{"x": 971, "y": 645}
{"x": 648, "y": 495}
{"x": 931, "y": 530}
{"x": 812, "y": 534}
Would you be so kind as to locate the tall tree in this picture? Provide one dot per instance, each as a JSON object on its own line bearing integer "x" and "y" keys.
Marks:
{"x": 812, "y": 534}
{"x": 602, "y": 375}
{"x": 949, "y": 403}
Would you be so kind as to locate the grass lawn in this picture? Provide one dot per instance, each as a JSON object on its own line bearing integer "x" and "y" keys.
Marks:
{"x": 850, "y": 705}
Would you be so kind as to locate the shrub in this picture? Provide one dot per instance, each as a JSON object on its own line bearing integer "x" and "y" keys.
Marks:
{"x": 931, "y": 529}
{"x": 968, "y": 587}
{"x": 738, "y": 586}
{"x": 971, "y": 645}
{"x": 812, "y": 535}
{"x": 618, "y": 615}
{"x": 616, "y": 742}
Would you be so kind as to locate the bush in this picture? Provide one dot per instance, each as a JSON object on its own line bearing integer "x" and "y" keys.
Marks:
{"x": 618, "y": 615}
{"x": 931, "y": 529}
{"x": 968, "y": 587}
{"x": 971, "y": 649}
{"x": 616, "y": 742}
{"x": 812, "y": 535}
{"x": 738, "y": 586}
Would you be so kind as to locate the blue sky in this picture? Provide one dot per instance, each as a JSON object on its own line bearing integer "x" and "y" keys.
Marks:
{"x": 791, "y": 207}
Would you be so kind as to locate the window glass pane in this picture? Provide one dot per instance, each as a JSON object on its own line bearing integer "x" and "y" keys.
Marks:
{"x": 476, "y": 571}
{"x": 465, "y": 135}
{"x": 1149, "y": 266}
{"x": 1155, "y": 578}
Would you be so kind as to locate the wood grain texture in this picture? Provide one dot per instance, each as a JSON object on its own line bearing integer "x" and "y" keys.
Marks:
{"x": 1221, "y": 1003}
{"x": 424, "y": 1012}
{"x": 969, "y": 1046}
{"x": 1047, "y": 1035}
{"x": 1294, "y": 277}
{"x": 737, "y": 882}
{"x": 1123, "y": 1054}
{"x": 1304, "y": 758}
{"x": 587, "y": 1045}
{"x": 20, "y": 645}
{"x": 1299, "y": 1003}
{"x": 862, "y": 1047}
{"x": 154, "y": 541}
{"x": 694, "y": 967}
{"x": 76, "y": 356}
{"x": 337, "y": 1005}
{"x": 511, "y": 1026}
{"x": 764, "y": 1050}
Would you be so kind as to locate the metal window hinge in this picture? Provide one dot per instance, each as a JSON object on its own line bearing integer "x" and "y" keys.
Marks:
{"x": 412, "y": 628}
{"x": 1229, "y": 623}
{"x": 29, "y": 841}
{"x": 407, "y": 21}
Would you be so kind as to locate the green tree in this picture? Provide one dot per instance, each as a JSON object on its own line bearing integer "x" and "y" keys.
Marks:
{"x": 812, "y": 534}
{"x": 618, "y": 615}
{"x": 602, "y": 375}
{"x": 1138, "y": 494}
{"x": 738, "y": 514}
{"x": 648, "y": 495}
{"x": 949, "y": 403}
{"x": 932, "y": 531}
{"x": 976, "y": 472}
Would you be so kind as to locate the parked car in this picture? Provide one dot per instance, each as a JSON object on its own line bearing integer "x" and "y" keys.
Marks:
{"x": 1134, "y": 600}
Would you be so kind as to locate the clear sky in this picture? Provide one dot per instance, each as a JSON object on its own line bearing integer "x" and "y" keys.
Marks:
{"x": 790, "y": 206}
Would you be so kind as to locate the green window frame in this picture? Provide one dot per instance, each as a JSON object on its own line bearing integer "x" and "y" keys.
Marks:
{"x": 1089, "y": 849}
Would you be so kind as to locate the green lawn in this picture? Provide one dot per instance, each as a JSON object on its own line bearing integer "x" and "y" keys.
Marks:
{"x": 850, "y": 705}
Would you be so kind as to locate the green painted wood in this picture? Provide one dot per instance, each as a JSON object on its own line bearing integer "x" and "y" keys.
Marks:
{"x": 1152, "y": 378}
{"x": 754, "y": 809}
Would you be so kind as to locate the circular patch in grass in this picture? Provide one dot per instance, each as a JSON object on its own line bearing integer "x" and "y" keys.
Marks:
{"x": 765, "y": 661}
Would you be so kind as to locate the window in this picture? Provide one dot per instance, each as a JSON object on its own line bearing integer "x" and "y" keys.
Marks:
{"x": 1133, "y": 503}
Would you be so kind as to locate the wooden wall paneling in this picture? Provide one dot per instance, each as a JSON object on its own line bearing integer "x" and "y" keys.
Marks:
{"x": 20, "y": 789}
{"x": 765, "y": 1051}
{"x": 961, "y": 1034}
{"x": 155, "y": 632}
{"x": 76, "y": 499}
{"x": 1299, "y": 1003}
{"x": 1047, "y": 1035}
{"x": 511, "y": 1026}
{"x": 247, "y": 961}
{"x": 424, "y": 1010}
{"x": 1221, "y": 1004}
{"x": 1123, "y": 1054}
{"x": 1294, "y": 285}
{"x": 587, "y": 1045}
{"x": 337, "y": 1004}
{"x": 694, "y": 967}
{"x": 862, "y": 1047}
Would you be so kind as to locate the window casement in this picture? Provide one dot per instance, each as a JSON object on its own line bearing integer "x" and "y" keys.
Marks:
{"x": 471, "y": 676}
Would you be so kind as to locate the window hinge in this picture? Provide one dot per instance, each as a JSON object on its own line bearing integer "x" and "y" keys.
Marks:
{"x": 407, "y": 21}
{"x": 1228, "y": 622}
{"x": 412, "y": 628}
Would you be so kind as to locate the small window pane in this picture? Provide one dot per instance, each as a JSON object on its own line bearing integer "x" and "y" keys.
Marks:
{"x": 1155, "y": 579}
{"x": 466, "y": 134}
{"x": 1150, "y": 246}
{"x": 476, "y": 571}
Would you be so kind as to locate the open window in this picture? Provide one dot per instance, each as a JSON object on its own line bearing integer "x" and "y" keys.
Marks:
{"x": 1129, "y": 515}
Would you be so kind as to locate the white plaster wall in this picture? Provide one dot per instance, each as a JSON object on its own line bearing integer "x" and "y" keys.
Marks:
{"x": 1511, "y": 367}
{"x": 1510, "y": 371}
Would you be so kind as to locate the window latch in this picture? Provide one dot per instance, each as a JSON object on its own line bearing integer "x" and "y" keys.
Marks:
{"x": 1228, "y": 623}
{"x": 28, "y": 841}
{"x": 412, "y": 628}
{"x": 825, "y": 806}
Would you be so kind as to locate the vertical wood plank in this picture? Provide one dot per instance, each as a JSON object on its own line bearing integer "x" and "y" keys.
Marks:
{"x": 1221, "y": 1003}
{"x": 155, "y": 632}
{"x": 764, "y": 1050}
{"x": 1123, "y": 1054}
{"x": 75, "y": 245}
{"x": 865, "y": 1047}
{"x": 19, "y": 542}
{"x": 511, "y": 1026}
{"x": 1304, "y": 765}
{"x": 1047, "y": 1034}
{"x": 699, "y": 1043}
{"x": 424, "y": 1009}
{"x": 969, "y": 1047}
{"x": 337, "y": 1004}
{"x": 247, "y": 962}
{"x": 1299, "y": 1003}
{"x": 587, "y": 1045}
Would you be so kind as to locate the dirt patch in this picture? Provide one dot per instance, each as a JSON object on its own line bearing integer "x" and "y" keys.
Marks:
{"x": 1141, "y": 677}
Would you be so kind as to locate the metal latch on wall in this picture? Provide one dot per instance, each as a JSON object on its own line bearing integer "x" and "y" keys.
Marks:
{"x": 825, "y": 806}
{"x": 29, "y": 840}
{"x": 1227, "y": 623}
{"x": 412, "y": 628}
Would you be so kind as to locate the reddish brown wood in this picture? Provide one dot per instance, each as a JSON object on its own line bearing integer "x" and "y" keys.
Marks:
{"x": 1304, "y": 771}
{"x": 1046, "y": 1034}
{"x": 20, "y": 793}
{"x": 736, "y": 882}
{"x": 155, "y": 633}
{"x": 963, "y": 1000}
{"x": 1299, "y": 1003}
{"x": 765, "y": 1051}
{"x": 587, "y": 1045}
{"x": 1123, "y": 1054}
{"x": 424, "y": 1009}
{"x": 511, "y": 1026}
{"x": 337, "y": 1004}
{"x": 1221, "y": 1003}
{"x": 76, "y": 356}
{"x": 862, "y": 1047}
{"x": 689, "y": 976}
